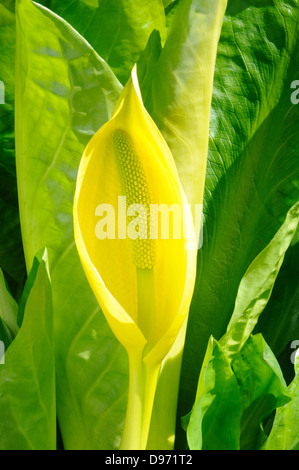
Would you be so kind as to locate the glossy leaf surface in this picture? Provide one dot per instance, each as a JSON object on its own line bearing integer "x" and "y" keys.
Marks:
{"x": 11, "y": 251}
{"x": 118, "y": 30}
{"x": 285, "y": 432}
{"x": 214, "y": 423}
{"x": 257, "y": 284}
{"x": 252, "y": 173}
{"x": 66, "y": 78}
{"x": 28, "y": 419}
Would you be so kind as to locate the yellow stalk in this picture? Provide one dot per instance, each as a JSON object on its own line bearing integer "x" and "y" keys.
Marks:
{"x": 131, "y": 438}
{"x": 143, "y": 378}
{"x": 142, "y": 387}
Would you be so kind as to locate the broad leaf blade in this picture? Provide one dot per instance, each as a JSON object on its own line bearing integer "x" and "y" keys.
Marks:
{"x": 146, "y": 66}
{"x": 30, "y": 281}
{"x": 253, "y": 174}
{"x": 67, "y": 84}
{"x": 11, "y": 250}
{"x": 182, "y": 89}
{"x": 284, "y": 434}
{"x": 257, "y": 284}
{"x": 27, "y": 379}
{"x": 11, "y": 253}
{"x": 7, "y": 52}
{"x": 117, "y": 29}
{"x": 262, "y": 388}
{"x": 215, "y": 418}
{"x": 283, "y": 306}
{"x": 61, "y": 79}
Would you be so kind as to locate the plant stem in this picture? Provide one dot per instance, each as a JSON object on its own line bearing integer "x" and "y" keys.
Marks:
{"x": 143, "y": 377}
{"x": 150, "y": 385}
{"x": 131, "y": 438}
{"x": 142, "y": 388}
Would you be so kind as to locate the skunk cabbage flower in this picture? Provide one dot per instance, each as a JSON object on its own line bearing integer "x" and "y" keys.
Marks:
{"x": 135, "y": 237}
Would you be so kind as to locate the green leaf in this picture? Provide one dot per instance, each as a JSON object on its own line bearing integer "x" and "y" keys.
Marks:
{"x": 215, "y": 417}
{"x": 262, "y": 389}
{"x": 253, "y": 174}
{"x": 146, "y": 66}
{"x": 283, "y": 305}
{"x": 64, "y": 93}
{"x": 65, "y": 80}
{"x": 11, "y": 250}
{"x": 11, "y": 253}
{"x": 284, "y": 434}
{"x": 7, "y": 53}
{"x": 182, "y": 88}
{"x": 28, "y": 286}
{"x": 167, "y": 2}
{"x": 27, "y": 379}
{"x": 117, "y": 29}
{"x": 234, "y": 397}
{"x": 257, "y": 284}
{"x": 8, "y": 307}
{"x": 170, "y": 11}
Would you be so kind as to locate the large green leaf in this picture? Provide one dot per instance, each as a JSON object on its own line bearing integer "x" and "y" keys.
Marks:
{"x": 262, "y": 389}
{"x": 64, "y": 93}
{"x": 235, "y": 396}
{"x": 11, "y": 253}
{"x": 214, "y": 422}
{"x": 283, "y": 309}
{"x": 182, "y": 84}
{"x": 257, "y": 284}
{"x": 7, "y": 53}
{"x": 253, "y": 174}
{"x": 27, "y": 379}
{"x": 283, "y": 306}
{"x": 117, "y": 29}
{"x": 170, "y": 11}
{"x": 11, "y": 250}
{"x": 285, "y": 431}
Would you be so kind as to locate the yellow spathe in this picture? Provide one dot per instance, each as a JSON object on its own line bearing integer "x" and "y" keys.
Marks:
{"x": 143, "y": 282}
